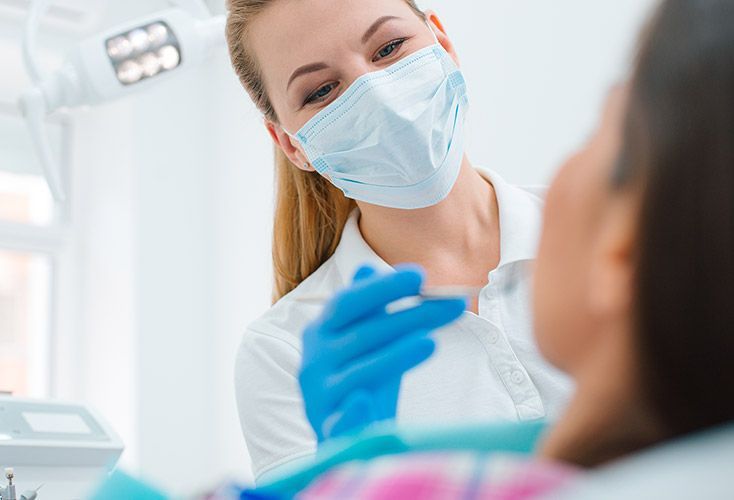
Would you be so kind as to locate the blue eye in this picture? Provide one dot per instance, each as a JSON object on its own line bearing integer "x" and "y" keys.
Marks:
{"x": 389, "y": 49}
{"x": 321, "y": 93}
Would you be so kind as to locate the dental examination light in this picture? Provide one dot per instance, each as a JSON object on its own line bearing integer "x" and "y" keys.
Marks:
{"x": 128, "y": 58}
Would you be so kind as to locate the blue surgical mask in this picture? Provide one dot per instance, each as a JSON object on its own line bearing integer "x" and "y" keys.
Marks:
{"x": 395, "y": 137}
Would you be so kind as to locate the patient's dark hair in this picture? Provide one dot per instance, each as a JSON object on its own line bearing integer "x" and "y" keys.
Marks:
{"x": 679, "y": 151}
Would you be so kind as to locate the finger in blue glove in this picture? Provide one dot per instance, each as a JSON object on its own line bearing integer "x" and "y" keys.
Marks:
{"x": 355, "y": 354}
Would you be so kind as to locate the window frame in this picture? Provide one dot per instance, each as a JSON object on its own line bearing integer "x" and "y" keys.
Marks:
{"x": 49, "y": 241}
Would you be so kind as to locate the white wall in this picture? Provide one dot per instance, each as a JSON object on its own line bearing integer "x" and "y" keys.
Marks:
{"x": 203, "y": 274}
{"x": 172, "y": 214}
{"x": 172, "y": 278}
{"x": 538, "y": 72}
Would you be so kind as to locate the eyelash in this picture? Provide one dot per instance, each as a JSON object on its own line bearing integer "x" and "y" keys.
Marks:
{"x": 314, "y": 97}
{"x": 394, "y": 45}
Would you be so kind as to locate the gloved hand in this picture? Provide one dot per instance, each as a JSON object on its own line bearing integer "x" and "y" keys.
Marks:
{"x": 356, "y": 353}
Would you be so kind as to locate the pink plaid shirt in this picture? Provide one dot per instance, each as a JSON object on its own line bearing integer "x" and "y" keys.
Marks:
{"x": 444, "y": 476}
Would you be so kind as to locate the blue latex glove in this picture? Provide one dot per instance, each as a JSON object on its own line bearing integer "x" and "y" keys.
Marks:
{"x": 356, "y": 353}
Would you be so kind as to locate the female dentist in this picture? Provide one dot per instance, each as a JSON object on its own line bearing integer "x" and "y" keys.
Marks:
{"x": 365, "y": 103}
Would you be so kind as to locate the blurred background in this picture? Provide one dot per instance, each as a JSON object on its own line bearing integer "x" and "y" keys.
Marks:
{"x": 133, "y": 294}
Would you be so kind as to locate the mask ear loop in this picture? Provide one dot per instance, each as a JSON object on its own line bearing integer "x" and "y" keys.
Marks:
{"x": 435, "y": 37}
{"x": 447, "y": 62}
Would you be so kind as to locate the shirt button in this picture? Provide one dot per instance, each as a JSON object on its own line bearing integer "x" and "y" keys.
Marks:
{"x": 517, "y": 377}
{"x": 494, "y": 337}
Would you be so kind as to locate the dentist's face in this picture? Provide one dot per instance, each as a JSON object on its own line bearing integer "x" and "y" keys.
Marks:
{"x": 310, "y": 51}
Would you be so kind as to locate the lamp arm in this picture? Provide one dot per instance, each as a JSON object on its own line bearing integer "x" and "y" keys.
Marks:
{"x": 33, "y": 104}
{"x": 36, "y": 10}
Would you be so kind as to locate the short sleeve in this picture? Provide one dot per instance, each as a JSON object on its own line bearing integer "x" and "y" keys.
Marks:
{"x": 269, "y": 402}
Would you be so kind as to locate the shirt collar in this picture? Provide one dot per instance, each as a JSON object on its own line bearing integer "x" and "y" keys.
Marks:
{"x": 354, "y": 252}
{"x": 520, "y": 214}
{"x": 521, "y": 218}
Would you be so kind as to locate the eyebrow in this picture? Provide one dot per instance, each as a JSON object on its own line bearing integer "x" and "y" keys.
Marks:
{"x": 304, "y": 70}
{"x": 314, "y": 67}
{"x": 375, "y": 26}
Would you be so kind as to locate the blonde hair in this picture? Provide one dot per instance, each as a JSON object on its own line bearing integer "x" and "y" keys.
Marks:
{"x": 310, "y": 213}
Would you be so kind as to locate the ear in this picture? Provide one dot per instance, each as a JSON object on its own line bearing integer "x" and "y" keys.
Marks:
{"x": 437, "y": 26}
{"x": 288, "y": 146}
{"x": 613, "y": 266}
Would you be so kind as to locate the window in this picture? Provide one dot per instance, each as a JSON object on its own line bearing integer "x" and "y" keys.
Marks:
{"x": 24, "y": 197}
{"x": 30, "y": 230}
{"x": 24, "y": 315}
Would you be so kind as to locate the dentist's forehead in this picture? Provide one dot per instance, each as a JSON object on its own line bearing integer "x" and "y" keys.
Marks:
{"x": 291, "y": 33}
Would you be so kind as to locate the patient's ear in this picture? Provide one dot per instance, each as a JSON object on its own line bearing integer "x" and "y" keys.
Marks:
{"x": 612, "y": 272}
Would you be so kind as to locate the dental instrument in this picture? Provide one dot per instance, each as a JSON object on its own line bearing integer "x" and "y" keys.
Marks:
{"x": 427, "y": 293}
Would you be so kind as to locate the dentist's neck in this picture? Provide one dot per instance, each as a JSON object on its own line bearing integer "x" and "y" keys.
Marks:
{"x": 456, "y": 240}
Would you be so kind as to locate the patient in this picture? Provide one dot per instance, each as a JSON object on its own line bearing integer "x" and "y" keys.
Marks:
{"x": 634, "y": 286}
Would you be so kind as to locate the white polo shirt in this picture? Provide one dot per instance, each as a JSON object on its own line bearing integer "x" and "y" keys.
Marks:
{"x": 486, "y": 366}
